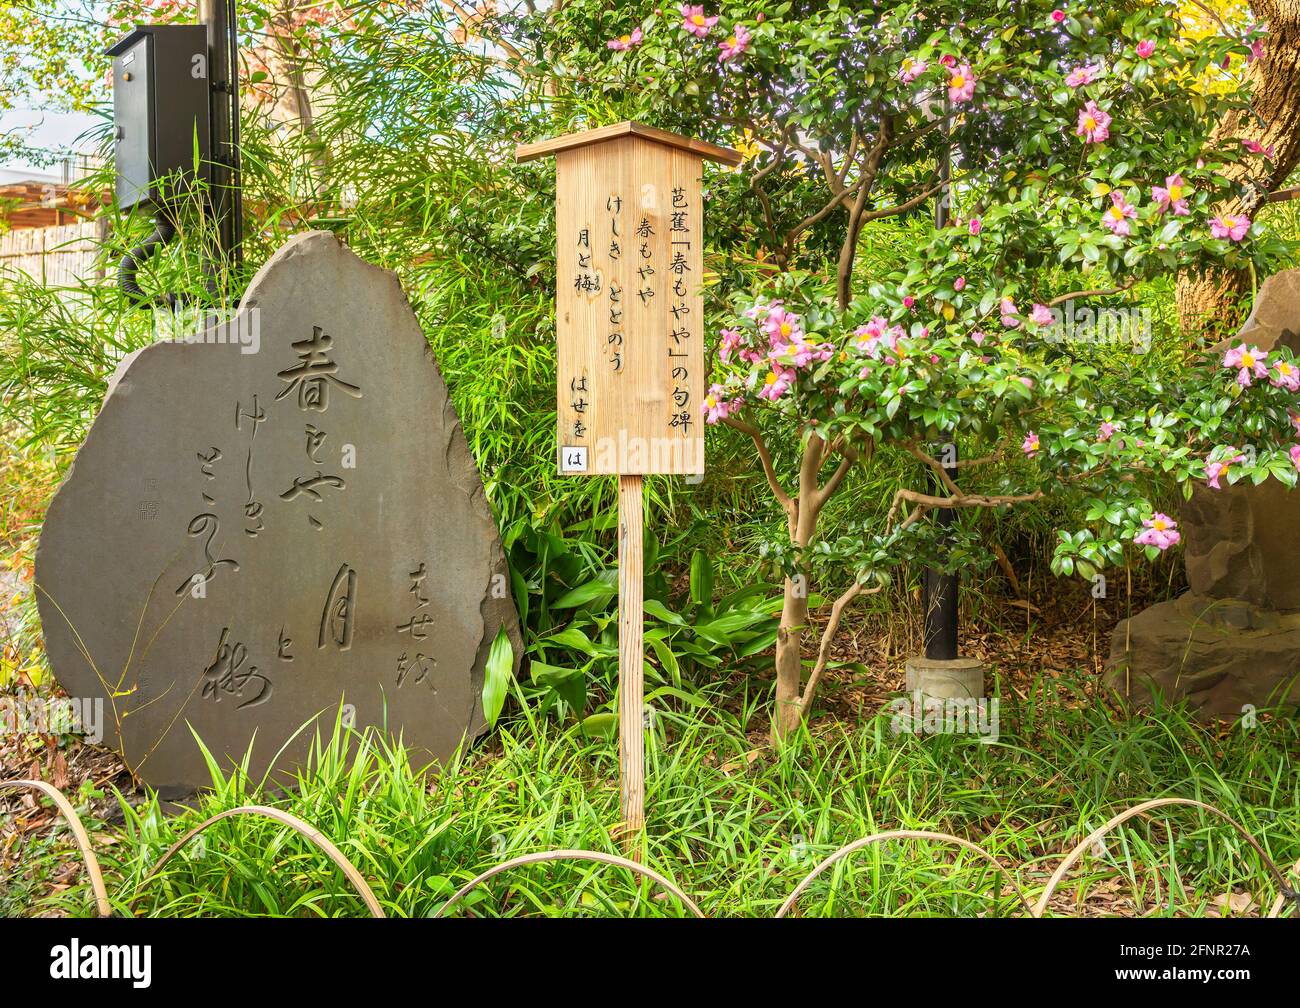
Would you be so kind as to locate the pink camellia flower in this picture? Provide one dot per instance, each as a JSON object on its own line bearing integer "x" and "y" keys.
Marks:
{"x": 959, "y": 283}
{"x": 961, "y": 84}
{"x": 1255, "y": 147}
{"x": 625, "y": 42}
{"x": 1058, "y": 15}
{"x": 871, "y": 330}
{"x": 1009, "y": 313}
{"x": 1105, "y": 431}
{"x": 909, "y": 301}
{"x": 1215, "y": 469}
{"x": 1081, "y": 76}
{"x": 776, "y": 384}
{"x": 1230, "y": 226}
{"x": 1030, "y": 445}
{"x": 694, "y": 20}
{"x": 975, "y": 226}
{"x": 730, "y": 341}
{"x": 1250, "y": 362}
{"x": 1159, "y": 531}
{"x": 1026, "y": 381}
{"x": 716, "y": 405}
{"x": 1094, "y": 124}
{"x": 1285, "y": 375}
{"x": 1145, "y": 48}
{"x": 1256, "y": 51}
{"x": 870, "y": 337}
{"x": 1172, "y": 194}
{"x": 948, "y": 60}
{"x": 799, "y": 353}
{"x": 781, "y": 326}
{"x": 735, "y": 44}
{"x": 1042, "y": 315}
{"x": 1295, "y": 456}
{"x": 912, "y": 69}
{"x": 978, "y": 337}
{"x": 1117, "y": 217}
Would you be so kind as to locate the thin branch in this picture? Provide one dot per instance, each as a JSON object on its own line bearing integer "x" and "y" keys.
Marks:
{"x": 858, "y": 189}
{"x": 969, "y": 500}
{"x": 850, "y": 455}
{"x": 765, "y": 456}
{"x": 911, "y": 204}
{"x": 936, "y": 466}
{"x": 1072, "y": 295}
{"x": 828, "y": 637}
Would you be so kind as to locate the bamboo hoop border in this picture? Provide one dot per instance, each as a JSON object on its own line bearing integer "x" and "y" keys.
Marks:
{"x": 323, "y": 843}
{"x": 874, "y": 838}
{"x": 570, "y": 854}
{"x": 1284, "y": 891}
{"x": 104, "y": 908}
{"x": 305, "y": 829}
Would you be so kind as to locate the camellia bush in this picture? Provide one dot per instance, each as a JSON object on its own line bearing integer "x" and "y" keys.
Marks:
{"x": 1070, "y": 152}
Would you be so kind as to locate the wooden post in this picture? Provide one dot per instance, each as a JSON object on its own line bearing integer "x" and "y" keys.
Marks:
{"x": 631, "y": 661}
{"x": 629, "y": 338}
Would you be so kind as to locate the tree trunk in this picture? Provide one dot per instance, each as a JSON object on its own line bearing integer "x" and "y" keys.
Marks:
{"x": 1213, "y": 304}
{"x": 787, "y": 713}
{"x": 789, "y": 658}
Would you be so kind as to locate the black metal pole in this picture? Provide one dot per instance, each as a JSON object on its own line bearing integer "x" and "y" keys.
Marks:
{"x": 939, "y": 597}
{"x": 225, "y": 195}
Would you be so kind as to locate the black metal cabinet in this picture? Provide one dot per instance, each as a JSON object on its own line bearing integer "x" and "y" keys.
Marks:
{"x": 160, "y": 112}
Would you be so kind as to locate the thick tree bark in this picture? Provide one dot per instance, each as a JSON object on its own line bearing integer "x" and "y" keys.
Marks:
{"x": 789, "y": 658}
{"x": 794, "y": 612}
{"x": 1213, "y": 304}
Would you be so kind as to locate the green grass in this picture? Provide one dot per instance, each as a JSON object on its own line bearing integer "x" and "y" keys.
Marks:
{"x": 736, "y": 824}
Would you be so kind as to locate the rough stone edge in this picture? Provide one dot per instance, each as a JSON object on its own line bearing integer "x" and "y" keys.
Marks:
{"x": 493, "y": 612}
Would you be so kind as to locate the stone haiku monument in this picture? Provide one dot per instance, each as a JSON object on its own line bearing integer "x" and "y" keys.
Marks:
{"x": 257, "y": 530}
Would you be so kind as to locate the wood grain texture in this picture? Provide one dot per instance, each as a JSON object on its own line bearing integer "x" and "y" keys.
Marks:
{"x": 629, "y": 309}
{"x": 631, "y": 658}
{"x": 544, "y": 148}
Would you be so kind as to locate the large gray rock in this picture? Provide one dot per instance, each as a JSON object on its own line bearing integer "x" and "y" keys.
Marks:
{"x": 1238, "y": 539}
{"x": 1221, "y": 655}
{"x": 1234, "y": 639}
{"x": 247, "y": 539}
{"x": 1239, "y": 543}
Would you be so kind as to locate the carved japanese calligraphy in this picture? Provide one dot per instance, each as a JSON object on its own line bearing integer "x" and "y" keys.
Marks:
{"x": 629, "y": 318}
{"x": 245, "y": 540}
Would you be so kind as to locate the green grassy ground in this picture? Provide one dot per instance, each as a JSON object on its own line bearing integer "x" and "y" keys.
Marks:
{"x": 735, "y": 823}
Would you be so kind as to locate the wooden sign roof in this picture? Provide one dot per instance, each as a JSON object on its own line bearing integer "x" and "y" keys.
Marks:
{"x": 544, "y": 148}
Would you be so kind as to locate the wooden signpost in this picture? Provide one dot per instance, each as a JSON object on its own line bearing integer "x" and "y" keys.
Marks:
{"x": 629, "y": 331}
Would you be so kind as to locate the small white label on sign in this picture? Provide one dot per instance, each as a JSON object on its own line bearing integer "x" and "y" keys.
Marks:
{"x": 573, "y": 459}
